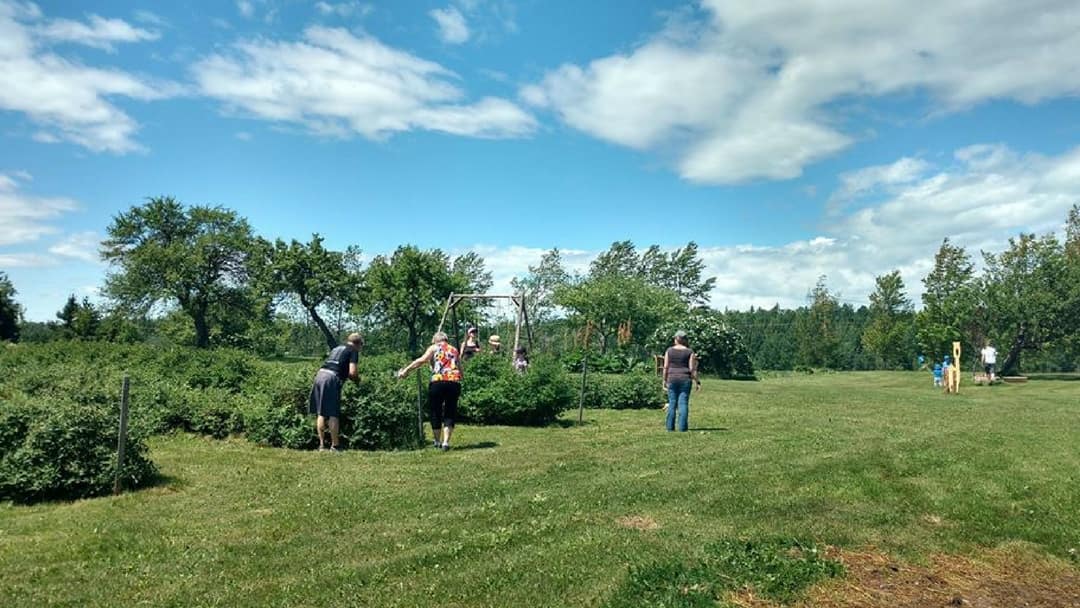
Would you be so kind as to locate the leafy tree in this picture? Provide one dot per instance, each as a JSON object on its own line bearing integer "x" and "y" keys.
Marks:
{"x": 409, "y": 289}
{"x": 817, "y": 335}
{"x": 162, "y": 252}
{"x": 1027, "y": 298}
{"x": 680, "y": 271}
{"x": 950, "y": 303}
{"x": 888, "y": 335}
{"x": 316, "y": 276}
{"x": 87, "y": 321}
{"x": 10, "y": 310}
{"x": 620, "y": 260}
{"x": 610, "y": 301}
{"x": 540, "y": 284}
{"x": 720, "y": 348}
{"x": 79, "y": 320}
{"x": 66, "y": 315}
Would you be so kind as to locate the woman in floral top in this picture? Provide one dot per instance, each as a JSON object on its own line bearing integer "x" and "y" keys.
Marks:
{"x": 444, "y": 389}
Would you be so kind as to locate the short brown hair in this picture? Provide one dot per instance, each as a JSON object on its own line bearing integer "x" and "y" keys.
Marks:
{"x": 355, "y": 338}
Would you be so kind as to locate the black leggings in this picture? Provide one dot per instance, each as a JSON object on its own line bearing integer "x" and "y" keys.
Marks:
{"x": 442, "y": 403}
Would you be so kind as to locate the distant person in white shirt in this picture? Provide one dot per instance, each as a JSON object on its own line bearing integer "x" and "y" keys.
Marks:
{"x": 989, "y": 359}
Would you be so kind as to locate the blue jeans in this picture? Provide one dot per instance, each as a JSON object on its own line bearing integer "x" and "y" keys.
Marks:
{"x": 678, "y": 398}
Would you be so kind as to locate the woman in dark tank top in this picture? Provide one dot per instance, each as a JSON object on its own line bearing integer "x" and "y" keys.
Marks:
{"x": 680, "y": 370}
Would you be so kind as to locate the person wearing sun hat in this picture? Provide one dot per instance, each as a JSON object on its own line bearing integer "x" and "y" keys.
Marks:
{"x": 494, "y": 344}
{"x": 680, "y": 370}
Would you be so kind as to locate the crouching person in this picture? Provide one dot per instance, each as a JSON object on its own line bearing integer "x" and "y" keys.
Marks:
{"x": 325, "y": 399}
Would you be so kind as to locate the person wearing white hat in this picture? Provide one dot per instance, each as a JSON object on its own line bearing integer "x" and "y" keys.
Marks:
{"x": 494, "y": 343}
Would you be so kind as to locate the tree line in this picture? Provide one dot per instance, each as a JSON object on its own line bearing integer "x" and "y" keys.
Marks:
{"x": 199, "y": 275}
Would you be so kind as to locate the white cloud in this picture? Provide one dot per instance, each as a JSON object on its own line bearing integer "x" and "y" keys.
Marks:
{"x": 25, "y": 218}
{"x": 69, "y": 100}
{"x": 99, "y": 32}
{"x": 986, "y": 195}
{"x": 452, "y": 26}
{"x": 344, "y": 9}
{"x": 246, "y": 8}
{"x": 80, "y": 246}
{"x": 335, "y": 83}
{"x": 150, "y": 17}
{"x": 752, "y": 90}
{"x": 243, "y": 136}
{"x": 25, "y": 260}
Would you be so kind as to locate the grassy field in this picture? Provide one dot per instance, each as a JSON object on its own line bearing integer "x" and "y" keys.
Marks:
{"x": 560, "y": 516}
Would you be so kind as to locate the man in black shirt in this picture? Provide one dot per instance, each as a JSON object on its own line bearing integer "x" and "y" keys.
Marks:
{"x": 325, "y": 401}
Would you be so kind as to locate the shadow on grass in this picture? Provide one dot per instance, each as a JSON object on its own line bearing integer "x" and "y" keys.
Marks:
{"x": 564, "y": 423}
{"x": 710, "y": 429}
{"x": 1069, "y": 377}
{"x": 483, "y": 445}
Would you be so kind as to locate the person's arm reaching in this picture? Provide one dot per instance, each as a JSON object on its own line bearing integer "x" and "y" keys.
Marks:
{"x": 421, "y": 360}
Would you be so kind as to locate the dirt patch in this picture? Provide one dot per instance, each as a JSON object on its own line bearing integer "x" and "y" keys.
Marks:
{"x": 1008, "y": 577}
{"x": 637, "y": 522}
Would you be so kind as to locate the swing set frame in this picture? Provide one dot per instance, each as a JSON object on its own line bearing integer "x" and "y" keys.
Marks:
{"x": 518, "y": 300}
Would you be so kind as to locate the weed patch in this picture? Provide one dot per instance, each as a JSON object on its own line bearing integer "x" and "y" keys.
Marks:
{"x": 776, "y": 569}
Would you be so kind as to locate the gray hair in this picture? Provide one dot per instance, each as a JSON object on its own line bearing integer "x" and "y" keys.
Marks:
{"x": 440, "y": 336}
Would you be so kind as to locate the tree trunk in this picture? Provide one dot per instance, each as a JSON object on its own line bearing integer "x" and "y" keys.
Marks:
{"x": 331, "y": 339}
{"x": 413, "y": 341}
{"x": 1011, "y": 365}
{"x": 202, "y": 329}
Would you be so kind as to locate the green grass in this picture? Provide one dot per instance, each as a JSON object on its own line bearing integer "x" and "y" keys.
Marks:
{"x": 530, "y": 516}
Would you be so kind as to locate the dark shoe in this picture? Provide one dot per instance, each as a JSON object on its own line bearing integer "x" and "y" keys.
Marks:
{"x": 445, "y": 447}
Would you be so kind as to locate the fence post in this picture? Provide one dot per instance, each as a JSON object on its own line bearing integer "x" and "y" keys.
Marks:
{"x": 121, "y": 441}
{"x": 581, "y": 401}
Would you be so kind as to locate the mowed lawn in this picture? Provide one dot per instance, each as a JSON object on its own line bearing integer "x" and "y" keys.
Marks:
{"x": 555, "y": 516}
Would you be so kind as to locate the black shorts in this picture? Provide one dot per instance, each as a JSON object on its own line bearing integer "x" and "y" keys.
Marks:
{"x": 442, "y": 403}
{"x": 989, "y": 368}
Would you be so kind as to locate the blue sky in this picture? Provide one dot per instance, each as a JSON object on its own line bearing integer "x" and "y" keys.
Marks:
{"x": 786, "y": 138}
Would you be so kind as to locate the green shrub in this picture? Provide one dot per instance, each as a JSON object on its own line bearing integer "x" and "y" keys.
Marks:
{"x": 623, "y": 391}
{"x": 64, "y": 450}
{"x": 279, "y": 424}
{"x": 493, "y": 393}
{"x": 380, "y": 414}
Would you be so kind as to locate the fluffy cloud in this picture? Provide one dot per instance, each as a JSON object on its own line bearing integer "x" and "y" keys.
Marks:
{"x": 25, "y": 218}
{"x": 343, "y": 9}
{"x": 81, "y": 246}
{"x": 98, "y": 32}
{"x": 70, "y": 101}
{"x": 751, "y": 90}
{"x": 335, "y": 83}
{"x": 979, "y": 199}
{"x": 245, "y": 8}
{"x": 452, "y": 26}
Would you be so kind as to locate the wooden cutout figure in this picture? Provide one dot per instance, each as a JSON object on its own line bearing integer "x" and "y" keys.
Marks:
{"x": 952, "y": 375}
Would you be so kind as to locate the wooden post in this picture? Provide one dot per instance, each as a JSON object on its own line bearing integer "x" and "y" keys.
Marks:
{"x": 956, "y": 359}
{"x": 581, "y": 400}
{"x": 420, "y": 407}
{"x": 121, "y": 441}
{"x": 517, "y": 322}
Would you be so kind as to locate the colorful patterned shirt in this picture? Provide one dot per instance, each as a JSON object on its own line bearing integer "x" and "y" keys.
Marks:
{"x": 444, "y": 365}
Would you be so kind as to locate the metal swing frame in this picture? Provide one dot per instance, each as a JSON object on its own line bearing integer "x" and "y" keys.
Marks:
{"x": 518, "y": 300}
